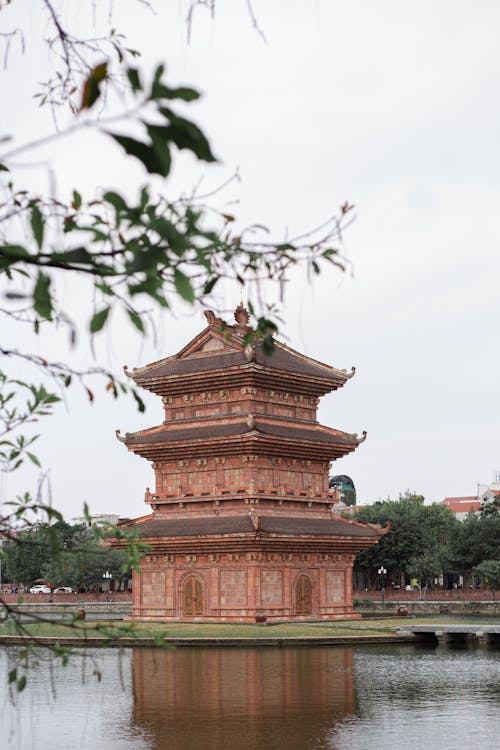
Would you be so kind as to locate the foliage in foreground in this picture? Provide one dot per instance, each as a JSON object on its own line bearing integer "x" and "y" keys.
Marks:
{"x": 137, "y": 255}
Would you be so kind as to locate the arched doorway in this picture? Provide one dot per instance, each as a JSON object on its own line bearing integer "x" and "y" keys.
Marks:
{"x": 193, "y": 599}
{"x": 303, "y": 595}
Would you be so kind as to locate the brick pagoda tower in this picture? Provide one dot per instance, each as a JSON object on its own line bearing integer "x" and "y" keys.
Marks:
{"x": 241, "y": 525}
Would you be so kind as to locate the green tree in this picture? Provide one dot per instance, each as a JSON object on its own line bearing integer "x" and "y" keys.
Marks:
{"x": 417, "y": 542}
{"x": 84, "y": 566}
{"x": 27, "y": 558}
{"x": 490, "y": 507}
{"x": 488, "y": 573}
{"x": 477, "y": 539}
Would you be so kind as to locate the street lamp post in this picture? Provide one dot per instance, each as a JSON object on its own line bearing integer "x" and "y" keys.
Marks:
{"x": 382, "y": 572}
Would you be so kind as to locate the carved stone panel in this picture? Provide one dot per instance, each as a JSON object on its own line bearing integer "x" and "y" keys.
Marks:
{"x": 335, "y": 582}
{"x": 233, "y": 588}
{"x": 272, "y": 587}
{"x": 153, "y": 588}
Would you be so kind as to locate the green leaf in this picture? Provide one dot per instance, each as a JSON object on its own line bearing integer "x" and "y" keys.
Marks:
{"x": 210, "y": 285}
{"x": 76, "y": 255}
{"x": 10, "y": 254}
{"x": 134, "y": 80}
{"x": 183, "y": 286}
{"x": 139, "y": 401}
{"x": 42, "y": 299}
{"x": 12, "y": 675}
{"x": 99, "y": 319}
{"x": 185, "y": 134}
{"x": 3, "y": 168}
{"x": 104, "y": 288}
{"x": 33, "y": 458}
{"x": 77, "y": 200}
{"x": 145, "y": 153}
{"x": 115, "y": 200}
{"x": 144, "y": 198}
{"x": 92, "y": 87}
{"x": 160, "y": 147}
{"x": 21, "y": 683}
{"x": 136, "y": 320}
{"x": 160, "y": 91}
{"x": 157, "y": 76}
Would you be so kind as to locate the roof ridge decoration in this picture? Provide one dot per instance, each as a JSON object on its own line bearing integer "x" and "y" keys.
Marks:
{"x": 221, "y": 347}
{"x": 242, "y": 319}
{"x": 212, "y": 319}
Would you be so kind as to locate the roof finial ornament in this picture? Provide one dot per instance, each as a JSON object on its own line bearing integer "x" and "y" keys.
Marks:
{"x": 242, "y": 317}
{"x": 121, "y": 438}
{"x": 250, "y": 352}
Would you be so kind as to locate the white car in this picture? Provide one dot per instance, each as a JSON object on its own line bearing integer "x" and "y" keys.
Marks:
{"x": 40, "y": 589}
{"x": 63, "y": 590}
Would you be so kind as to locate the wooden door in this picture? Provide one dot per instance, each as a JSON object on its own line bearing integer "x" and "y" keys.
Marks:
{"x": 303, "y": 596}
{"x": 194, "y": 597}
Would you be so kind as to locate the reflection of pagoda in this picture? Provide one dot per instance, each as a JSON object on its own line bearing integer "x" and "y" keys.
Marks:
{"x": 241, "y": 526}
{"x": 243, "y": 698}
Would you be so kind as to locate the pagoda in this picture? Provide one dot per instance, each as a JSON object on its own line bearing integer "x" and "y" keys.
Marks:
{"x": 241, "y": 527}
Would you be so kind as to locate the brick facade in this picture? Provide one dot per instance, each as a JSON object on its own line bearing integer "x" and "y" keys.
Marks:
{"x": 239, "y": 587}
{"x": 241, "y": 525}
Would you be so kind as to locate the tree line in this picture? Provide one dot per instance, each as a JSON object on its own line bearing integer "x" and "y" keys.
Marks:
{"x": 429, "y": 544}
{"x": 62, "y": 554}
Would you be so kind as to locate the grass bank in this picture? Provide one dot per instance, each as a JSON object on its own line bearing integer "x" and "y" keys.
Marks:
{"x": 157, "y": 633}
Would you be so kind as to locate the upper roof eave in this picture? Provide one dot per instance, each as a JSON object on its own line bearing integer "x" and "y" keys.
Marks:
{"x": 234, "y": 356}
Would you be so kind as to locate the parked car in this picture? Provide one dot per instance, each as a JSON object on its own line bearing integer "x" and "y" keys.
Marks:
{"x": 63, "y": 590}
{"x": 40, "y": 589}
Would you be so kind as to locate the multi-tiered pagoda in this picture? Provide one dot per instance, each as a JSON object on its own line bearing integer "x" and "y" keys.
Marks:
{"x": 241, "y": 527}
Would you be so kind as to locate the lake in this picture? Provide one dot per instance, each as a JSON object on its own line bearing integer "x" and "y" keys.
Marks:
{"x": 291, "y": 698}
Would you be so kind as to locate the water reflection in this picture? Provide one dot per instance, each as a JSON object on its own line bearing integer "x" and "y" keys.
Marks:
{"x": 241, "y": 698}
{"x": 290, "y": 698}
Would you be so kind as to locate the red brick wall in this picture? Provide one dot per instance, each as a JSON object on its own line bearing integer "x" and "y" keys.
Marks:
{"x": 250, "y": 472}
{"x": 240, "y": 400}
{"x": 237, "y": 587}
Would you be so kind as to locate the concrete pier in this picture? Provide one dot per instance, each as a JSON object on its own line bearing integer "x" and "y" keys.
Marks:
{"x": 454, "y": 634}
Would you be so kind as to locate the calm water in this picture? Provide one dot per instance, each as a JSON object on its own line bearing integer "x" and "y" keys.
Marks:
{"x": 398, "y": 697}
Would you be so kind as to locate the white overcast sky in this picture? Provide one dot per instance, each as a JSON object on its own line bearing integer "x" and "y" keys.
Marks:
{"x": 391, "y": 105}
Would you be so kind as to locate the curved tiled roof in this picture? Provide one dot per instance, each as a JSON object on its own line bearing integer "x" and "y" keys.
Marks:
{"x": 242, "y": 524}
{"x": 174, "y": 433}
{"x": 282, "y": 359}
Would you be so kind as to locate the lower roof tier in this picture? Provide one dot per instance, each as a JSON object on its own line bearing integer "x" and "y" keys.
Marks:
{"x": 245, "y": 531}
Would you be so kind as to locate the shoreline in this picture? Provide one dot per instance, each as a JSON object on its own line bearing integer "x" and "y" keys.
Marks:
{"x": 140, "y": 642}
